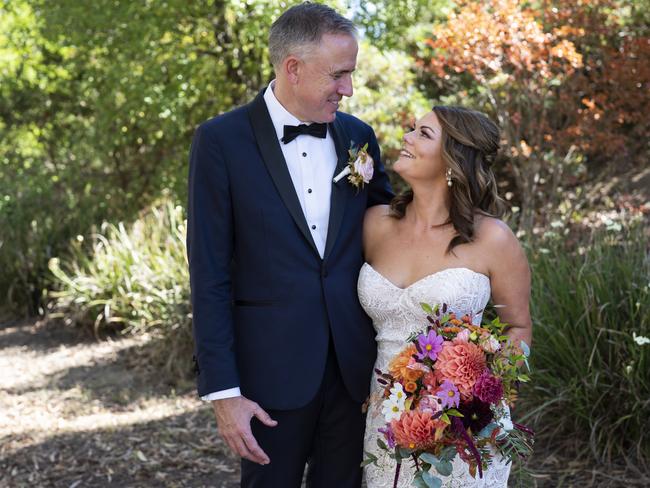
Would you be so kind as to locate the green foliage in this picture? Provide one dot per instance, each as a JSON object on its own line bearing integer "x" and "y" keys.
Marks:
{"x": 591, "y": 376}
{"x": 98, "y": 104}
{"x": 388, "y": 24}
{"x": 133, "y": 279}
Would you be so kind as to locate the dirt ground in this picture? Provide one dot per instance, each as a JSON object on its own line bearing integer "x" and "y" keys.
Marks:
{"x": 75, "y": 412}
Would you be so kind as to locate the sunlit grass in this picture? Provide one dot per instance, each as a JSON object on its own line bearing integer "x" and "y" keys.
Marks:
{"x": 133, "y": 279}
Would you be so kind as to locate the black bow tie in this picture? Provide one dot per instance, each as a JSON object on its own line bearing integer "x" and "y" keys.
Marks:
{"x": 293, "y": 131}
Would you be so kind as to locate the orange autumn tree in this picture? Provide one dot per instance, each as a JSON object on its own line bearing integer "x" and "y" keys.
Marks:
{"x": 607, "y": 101}
{"x": 520, "y": 66}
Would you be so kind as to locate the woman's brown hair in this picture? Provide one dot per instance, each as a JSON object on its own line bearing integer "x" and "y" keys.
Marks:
{"x": 470, "y": 141}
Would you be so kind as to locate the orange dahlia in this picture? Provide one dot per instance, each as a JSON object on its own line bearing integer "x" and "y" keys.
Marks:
{"x": 461, "y": 363}
{"x": 398, "y": 367}
{"x": 417, "y": 429}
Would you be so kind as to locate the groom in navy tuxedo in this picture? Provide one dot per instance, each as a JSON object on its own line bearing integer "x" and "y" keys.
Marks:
{"x": 282, "y": 347}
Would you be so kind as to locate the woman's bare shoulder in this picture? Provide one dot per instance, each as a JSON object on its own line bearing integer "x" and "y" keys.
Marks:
{"x": 492, "y": 231}
{"x": 377, "y": 215}
{"x": 377, "y": 225}
{"x": 500, "y": 245}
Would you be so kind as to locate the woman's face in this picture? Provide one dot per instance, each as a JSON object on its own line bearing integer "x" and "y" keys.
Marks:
{"x": 421, "y": 155}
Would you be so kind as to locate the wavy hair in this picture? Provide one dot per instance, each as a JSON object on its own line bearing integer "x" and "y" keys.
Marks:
{"x": 470, "y": 142}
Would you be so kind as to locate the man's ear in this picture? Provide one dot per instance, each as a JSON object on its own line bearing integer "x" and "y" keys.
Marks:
{"x": 292, "y": 67}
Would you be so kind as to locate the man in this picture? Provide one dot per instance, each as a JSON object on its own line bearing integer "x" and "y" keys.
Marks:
{"x": 284, "y": 350}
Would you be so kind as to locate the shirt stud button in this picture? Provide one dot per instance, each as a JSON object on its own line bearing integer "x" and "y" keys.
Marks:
{"x": 309, "y": 190}
{"x": 304, "y": 155}
{"x": 313, "y": 227}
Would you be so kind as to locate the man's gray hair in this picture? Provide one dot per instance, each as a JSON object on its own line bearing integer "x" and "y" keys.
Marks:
{"x": 302, "y": 27}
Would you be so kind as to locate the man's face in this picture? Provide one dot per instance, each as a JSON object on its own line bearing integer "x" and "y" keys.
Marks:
{"x": 325, "y": 77}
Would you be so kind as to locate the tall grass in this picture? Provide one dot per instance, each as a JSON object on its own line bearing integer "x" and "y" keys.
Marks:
{"x": 590, "y": 395}
{"x": 132, "y": 279}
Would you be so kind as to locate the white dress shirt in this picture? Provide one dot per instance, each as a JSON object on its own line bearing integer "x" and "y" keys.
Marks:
{"x": 311, "y": 162}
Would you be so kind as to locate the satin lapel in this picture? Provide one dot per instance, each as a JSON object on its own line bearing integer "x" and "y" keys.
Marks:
{"x": 340, "y": 190}
{"x": 274, "y": 160}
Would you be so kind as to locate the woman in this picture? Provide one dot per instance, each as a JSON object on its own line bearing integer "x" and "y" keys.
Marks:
{"x": 441, "y": 242}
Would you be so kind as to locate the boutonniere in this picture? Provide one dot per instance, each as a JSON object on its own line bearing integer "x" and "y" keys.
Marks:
{"x": 360, "y": 167}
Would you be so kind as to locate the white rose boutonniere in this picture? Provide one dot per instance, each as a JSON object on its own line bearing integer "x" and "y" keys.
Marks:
{"x": 360, "y": 167}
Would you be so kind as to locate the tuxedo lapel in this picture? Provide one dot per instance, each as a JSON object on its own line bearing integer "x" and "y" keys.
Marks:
{"x": 276, "y": 165}
{"x": 340, "y": 190}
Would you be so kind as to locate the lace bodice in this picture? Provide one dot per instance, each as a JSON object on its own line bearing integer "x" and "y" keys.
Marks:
{"x": 396, "y": 313}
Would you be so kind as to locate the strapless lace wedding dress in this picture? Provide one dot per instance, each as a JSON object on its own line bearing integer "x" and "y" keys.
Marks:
{"x": 396, "y": 313}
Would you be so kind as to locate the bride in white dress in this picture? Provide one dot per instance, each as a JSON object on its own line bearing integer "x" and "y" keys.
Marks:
{"x": 441, "y": 242}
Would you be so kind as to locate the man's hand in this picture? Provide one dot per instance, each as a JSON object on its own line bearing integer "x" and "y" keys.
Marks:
{"x": 234, "y": 422}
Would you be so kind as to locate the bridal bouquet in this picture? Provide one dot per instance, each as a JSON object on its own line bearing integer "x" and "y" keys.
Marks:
{"x": 445, "y": 395}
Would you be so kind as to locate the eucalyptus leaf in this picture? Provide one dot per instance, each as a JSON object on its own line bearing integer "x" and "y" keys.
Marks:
{"x": 488, "y": 429}
{"x": 418, "y": 482}
{"x": 430, "y": 480}
{"x": 448, "y": 453}
{"x": 403, "y": 452}
{"x": 427, "y": 308}
{"x": 444, "y": 468}
{"x": 427, "y": 457}
{"x": 371, "y": 459}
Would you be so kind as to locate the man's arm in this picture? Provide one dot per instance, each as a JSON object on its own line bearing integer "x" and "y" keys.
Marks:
{"x": 209, "y": 248}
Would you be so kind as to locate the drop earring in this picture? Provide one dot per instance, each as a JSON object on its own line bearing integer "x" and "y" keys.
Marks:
{"x": 448, "y": 175}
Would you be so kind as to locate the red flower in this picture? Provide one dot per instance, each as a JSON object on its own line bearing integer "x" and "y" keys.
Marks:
{"x": 488, "y": 388}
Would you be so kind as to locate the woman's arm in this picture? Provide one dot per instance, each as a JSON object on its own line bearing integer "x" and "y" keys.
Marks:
{"x": 509, "y": 279}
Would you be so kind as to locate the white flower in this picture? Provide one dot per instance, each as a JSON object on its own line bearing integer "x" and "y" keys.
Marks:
{"x": 364, "y": 166}
{"x": 397, "y": 395}
{"x": 640, "y": 340}
{"x": 391, "y": 410}
{"x": 490, "y": 345}
{"x": 359, "y": 169}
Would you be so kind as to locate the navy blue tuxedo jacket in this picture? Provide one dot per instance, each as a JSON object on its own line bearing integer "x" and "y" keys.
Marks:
{"x": 264, "y": 302}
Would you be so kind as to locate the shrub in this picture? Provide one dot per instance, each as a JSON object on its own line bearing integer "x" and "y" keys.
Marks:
{"x": 134, "y": 280}
{"x": 590, "y": 394}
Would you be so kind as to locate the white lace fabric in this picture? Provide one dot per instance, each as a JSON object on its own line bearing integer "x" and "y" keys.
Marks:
{"x": 396, "y": 314}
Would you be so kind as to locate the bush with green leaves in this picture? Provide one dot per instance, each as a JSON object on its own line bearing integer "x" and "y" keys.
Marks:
{"x": 132, "y": 279}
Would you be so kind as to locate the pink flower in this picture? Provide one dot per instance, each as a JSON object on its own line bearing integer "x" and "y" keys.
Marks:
{"x": 488, "y": 388}
{"x": 448, "y": 394}
{"x": 429, "y": 404}
{"x": 463, "y": 335}
{"x": 430, "y": 381}
{"x": 489, "y": 344}
{"x": 390, "y": 437}
{"x": 429, "y": 345}
{"x": 364, "y": 166}
{"x": 461, "y": 363}
{"x": 415, "y": 429}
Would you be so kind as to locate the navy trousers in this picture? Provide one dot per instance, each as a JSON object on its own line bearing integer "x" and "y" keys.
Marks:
{"x": 326, "y": 434}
